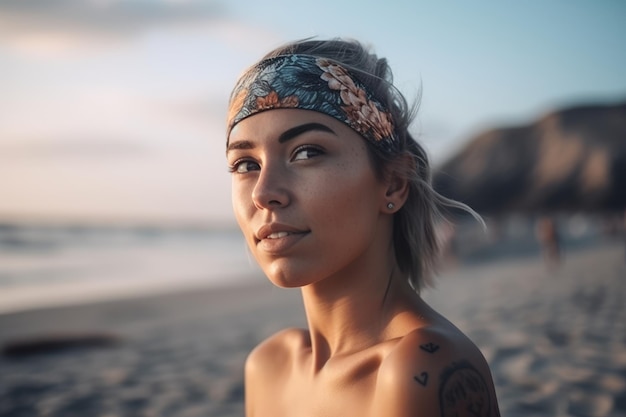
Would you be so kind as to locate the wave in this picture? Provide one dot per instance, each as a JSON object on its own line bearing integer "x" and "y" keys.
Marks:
{"x": 70, "y": 263}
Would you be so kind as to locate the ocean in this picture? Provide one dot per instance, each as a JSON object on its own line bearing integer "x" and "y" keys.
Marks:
{"x": 52, "y": 265}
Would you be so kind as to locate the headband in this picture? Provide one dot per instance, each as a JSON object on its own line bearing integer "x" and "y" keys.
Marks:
{"x": 312, "y": 83}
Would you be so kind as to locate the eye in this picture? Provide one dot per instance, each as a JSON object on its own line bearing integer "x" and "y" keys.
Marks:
{"x": 306, "y": 152}
{"x": 243, "y": 166}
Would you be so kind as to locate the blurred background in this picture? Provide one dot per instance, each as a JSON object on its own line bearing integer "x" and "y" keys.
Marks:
{"x": 113, "y": 180}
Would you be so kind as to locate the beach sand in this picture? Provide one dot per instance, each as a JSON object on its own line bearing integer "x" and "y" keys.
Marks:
{"x": 555, "y": 340}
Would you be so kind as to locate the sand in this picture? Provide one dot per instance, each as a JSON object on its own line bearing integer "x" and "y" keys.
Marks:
{"x": 555, "y": 340}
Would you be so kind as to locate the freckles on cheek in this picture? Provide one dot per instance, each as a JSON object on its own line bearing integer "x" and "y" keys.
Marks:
{"x": 349, "y": 176}
{"x": 240, "y": 205}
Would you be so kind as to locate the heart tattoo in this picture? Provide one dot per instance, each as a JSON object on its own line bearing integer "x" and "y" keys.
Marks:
{"x": 422, "y": 379}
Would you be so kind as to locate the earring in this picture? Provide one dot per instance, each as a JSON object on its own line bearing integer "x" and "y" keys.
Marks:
{"x": 390, "y": 206}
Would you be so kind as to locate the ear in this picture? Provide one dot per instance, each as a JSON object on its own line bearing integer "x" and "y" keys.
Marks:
{"x": 397, "y": 183}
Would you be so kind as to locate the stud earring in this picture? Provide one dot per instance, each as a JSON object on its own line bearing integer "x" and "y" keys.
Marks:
{"x": 390, "y": 206}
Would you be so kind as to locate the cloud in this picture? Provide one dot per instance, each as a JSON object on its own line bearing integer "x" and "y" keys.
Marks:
{"x": 113, "y": 17}
{"x": 93, "y": 148}
{"x": 57, "y": 25}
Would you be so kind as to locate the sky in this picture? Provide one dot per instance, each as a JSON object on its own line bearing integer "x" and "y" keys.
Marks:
{"x": 114, "y": 110}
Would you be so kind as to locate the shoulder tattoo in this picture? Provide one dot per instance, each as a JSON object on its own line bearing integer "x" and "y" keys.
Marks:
{"x": 430, "y": 347}
{"x": 464, "y": 393}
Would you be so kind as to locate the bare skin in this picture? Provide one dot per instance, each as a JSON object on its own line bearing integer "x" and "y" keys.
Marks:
{"x": 315, "y": 217}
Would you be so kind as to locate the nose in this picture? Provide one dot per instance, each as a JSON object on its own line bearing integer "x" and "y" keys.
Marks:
{"x": 271, "y": 190}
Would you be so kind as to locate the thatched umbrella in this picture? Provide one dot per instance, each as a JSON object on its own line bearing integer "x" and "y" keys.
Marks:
{"x": 570, "y": 160}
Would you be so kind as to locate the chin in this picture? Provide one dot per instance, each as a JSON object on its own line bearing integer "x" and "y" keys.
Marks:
{"x": 284, "y": 277}
{"x": 283, "y": 281}
{"x": 285, "y": 284}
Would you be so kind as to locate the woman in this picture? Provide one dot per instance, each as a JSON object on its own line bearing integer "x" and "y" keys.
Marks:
{"x": 333, "y": 196}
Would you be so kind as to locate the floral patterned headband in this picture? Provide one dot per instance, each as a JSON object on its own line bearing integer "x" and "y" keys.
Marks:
{"x": 312, "y": 83}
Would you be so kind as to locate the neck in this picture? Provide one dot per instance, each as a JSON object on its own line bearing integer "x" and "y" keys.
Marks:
{"x": 352, "y": 311}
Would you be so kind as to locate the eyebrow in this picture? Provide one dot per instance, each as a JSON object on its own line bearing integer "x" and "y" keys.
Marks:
{"x": 298, "y": 130}
{"x": 287, "y": 135}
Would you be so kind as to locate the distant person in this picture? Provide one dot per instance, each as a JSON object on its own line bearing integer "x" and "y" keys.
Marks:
{"x": 624, "y": 233}
{"x": 550, "y": 241}
{"x": 333, "y": 196}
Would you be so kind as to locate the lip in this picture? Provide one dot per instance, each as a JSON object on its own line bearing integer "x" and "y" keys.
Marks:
{"x": 276, "y": 238}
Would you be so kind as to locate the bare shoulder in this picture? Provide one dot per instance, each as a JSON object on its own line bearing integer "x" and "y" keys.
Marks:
{"x": 267, "y": 366}
{"x": 273, "y": 353}
{"x": 435, "y": 371}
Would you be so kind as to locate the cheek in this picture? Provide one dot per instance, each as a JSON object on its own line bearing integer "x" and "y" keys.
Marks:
{"x": 347, "y": 197}
{"x": 241, "y": 201}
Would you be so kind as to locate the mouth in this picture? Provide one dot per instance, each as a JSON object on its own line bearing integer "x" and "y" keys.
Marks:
{"x": 277, "y": 231}
{"x": 278, "y": 235}
{"x": 278, "y": 238}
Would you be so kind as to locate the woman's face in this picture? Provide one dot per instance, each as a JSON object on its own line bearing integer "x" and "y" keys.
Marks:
{"x": 305, "y": 195}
